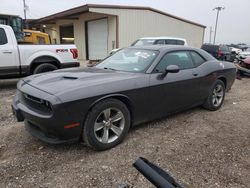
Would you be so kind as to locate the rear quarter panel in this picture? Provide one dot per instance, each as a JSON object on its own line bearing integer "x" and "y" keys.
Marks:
{"x": 60, "y": 52}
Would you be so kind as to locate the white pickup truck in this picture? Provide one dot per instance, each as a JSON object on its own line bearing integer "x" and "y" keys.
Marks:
{"x": 22, "y": 60}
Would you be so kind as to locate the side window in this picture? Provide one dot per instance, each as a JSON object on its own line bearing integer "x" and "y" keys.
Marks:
{"x": 198, "y": 60}
{"x": 180, "y": 42}
{"x": 160, "y": 42}
{"x": 3, "y": 37}
{"x": 181, "y": 58}
{"x": 171, "y": 42}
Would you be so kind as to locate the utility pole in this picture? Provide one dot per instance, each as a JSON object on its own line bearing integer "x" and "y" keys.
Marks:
{"x": 217, "y": 17}
{"x": 210, "y": 35}
{"x": 24, "y": 12}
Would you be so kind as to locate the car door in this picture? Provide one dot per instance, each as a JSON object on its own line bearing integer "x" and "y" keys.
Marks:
{"x": 176, "y": 91}
{"x": 8, "y": 61}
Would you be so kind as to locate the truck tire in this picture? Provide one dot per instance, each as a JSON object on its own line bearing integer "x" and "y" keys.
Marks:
{"x": 45, "y": 67}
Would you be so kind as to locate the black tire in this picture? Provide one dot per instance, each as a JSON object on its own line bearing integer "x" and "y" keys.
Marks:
{"x": 90, "y": 136}
{"x": 45, "y": 67}
{"x": 209, "y": 103}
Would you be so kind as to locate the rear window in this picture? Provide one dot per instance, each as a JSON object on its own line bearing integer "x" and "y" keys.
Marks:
{"x": 3, "y": 37}
{"x": 198, "y": 60}
{"x": 171, "y": 41}
{"x": 224, "y": 48}
{"x": 143, "y": 42}
{"x": 210, "y": 48}
{"x": 180, "y": 42}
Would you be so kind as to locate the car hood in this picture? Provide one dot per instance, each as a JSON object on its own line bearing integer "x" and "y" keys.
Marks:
{"x": 70, "y": 79}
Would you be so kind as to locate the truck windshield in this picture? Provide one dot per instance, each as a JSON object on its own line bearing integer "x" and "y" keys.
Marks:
{"x": 130, "y": 60}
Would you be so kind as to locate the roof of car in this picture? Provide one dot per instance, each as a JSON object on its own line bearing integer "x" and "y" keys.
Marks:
{"x": 162, "y": 47}
{"x": 163, "y": 37}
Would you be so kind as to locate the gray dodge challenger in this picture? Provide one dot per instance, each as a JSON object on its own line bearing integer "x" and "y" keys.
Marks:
{"x": 98, "y": 105}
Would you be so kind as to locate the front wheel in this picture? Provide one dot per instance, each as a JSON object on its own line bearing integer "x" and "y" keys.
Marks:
{"x": 216, "y": 96}
{"x": 106, "y": 125}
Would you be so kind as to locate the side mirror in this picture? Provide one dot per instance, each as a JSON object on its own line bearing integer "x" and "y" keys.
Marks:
{"x": 172, "y": 69}
{"x": 169, "y": 69}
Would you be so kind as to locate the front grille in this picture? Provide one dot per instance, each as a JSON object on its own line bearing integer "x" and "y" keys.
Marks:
{"x": 37, "y": 104}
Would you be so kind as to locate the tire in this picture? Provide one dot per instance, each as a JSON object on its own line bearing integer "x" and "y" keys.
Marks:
{"x": 216, "y": 96}
{"x": 106, "y": 125}
{"x": 45, "y": 67}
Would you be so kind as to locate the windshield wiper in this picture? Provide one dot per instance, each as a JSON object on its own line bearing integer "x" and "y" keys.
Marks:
{"x": 109, "y": 68}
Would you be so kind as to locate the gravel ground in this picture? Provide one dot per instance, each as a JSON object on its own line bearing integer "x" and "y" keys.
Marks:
{"x": 199, "y": 148}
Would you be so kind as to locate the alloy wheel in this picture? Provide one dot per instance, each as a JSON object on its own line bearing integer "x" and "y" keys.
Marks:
{"x": 109, "y": 125}
{"x": 217, "y": 97}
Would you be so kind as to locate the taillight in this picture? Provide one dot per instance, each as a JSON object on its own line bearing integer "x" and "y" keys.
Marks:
{"x": 74, "y": 53}
{"x": 219, "y": 52}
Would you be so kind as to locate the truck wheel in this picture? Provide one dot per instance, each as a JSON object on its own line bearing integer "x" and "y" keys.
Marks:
{"x": 106, "y": 125}
{"x": 45, "y": 67}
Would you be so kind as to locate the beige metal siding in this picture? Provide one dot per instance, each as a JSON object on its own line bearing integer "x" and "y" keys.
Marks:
{"x": 79, "y": 30}
{"x": 134, "y": 24}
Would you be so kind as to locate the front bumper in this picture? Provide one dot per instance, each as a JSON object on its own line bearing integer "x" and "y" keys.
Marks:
{"x": 48, "y": 126}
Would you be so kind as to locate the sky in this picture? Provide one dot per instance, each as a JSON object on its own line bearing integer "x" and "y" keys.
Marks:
{"x": 233, "y": 25}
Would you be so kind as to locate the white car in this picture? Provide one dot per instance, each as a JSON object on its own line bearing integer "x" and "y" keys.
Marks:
{"x": 245, "y": 53}
{"x": 157, "y": 41}
{"x": 236, "y": 50}
{"x": 22, "y": 60}
{"x": 160, "y": 41}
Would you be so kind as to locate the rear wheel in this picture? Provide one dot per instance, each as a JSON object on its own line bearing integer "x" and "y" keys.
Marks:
{"x": 216, "y": 96}
{"x": 106, "y": 125}
{"x": 45, "y": 67}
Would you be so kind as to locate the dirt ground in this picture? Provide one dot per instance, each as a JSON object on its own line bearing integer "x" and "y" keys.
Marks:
{"x": 199, "y": 148}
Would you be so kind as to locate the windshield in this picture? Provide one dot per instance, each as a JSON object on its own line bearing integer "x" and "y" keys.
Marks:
{"x": 248, "y": 49}
{"x": 143, "y": 42}
{"x": 131, "y": 60}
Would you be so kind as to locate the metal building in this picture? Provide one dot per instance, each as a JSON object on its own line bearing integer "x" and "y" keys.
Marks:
{"x": 97, "y": 29}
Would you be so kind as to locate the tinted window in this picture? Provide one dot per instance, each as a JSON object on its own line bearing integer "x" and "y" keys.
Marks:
{"x": 182, "y": 59}
{"x": 224, "y": 48}
{"x": 3, "y": 37}
{"x": 171, "y": 41}
{"x": 198, "y": 60}
{"x": 159, "y": 42}
{"x": 180, "y": 42}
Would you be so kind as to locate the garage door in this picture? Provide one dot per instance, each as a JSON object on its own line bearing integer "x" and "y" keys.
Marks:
{"x": 97, "y": 39}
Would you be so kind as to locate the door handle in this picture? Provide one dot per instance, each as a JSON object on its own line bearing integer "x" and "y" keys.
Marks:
{"x": 195, "y": 73}
{"x": 7, "y": 52}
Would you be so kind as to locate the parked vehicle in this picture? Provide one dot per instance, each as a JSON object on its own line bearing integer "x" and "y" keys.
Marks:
{"x": 36, "y": 37}
{"x": 159, "y": 41}
{"x": 156, "y": 41}
{"x": 21, "y": 60}
{"x": 220, "y": 52}
{"x": 16, "y": 23}
{"x": 243, "y": 66}
{"x": 235, "y": 50}
{"x": 245, "y": 54}
{"x": 134, "y": 85}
